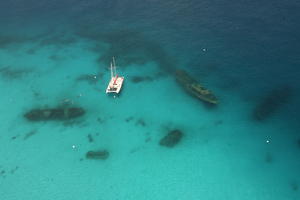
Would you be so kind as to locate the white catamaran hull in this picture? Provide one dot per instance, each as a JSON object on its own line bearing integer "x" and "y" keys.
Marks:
{"x": 115, "y": 84}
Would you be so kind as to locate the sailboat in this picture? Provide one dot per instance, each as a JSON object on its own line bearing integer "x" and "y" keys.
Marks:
{"x": 116, "y": 82}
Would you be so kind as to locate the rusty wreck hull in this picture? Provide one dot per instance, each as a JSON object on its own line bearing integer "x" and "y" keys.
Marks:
{"x": 54, "y": 114}
{"x": 194, "y": 88}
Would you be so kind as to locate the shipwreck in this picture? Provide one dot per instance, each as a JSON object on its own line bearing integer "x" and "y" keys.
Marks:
{"x": 58, "y": 113}
{"x": 194, "y": 88}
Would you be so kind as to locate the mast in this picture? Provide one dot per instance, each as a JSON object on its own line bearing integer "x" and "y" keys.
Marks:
{"x": 114, "y": 66}
{"x": 111, "y": 70}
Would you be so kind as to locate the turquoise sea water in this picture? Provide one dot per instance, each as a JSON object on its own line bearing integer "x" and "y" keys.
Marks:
{"x": 50, "y": 53}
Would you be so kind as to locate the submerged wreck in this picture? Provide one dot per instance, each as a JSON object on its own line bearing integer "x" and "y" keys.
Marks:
{"x": 272, "y": 102}
{"x": 171, "y": 139}
{"x": 194, "y": 88}
{"x": 54, "y": 114}
{"x": 97, "y": 155}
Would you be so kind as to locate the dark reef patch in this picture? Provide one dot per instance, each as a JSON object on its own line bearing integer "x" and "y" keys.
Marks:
{"x": 97, "y": 155}
{"x": 139, "y": 79}
{"x": 128, "y": 119}
{"x": 57, "y": 58}
{"x": 148, "y": 139}
{"x": 272, "y": 102}
{"x": 90, "y": 78}
{"x": 134, "y": 150}
{"x": 7, "y": 40}
{"x": 29, "y": 134}
{"x": 100, "y": 120}
{"x": 54, "y": 114}
{"x": 140, "y": 122}
{"x": 14, "y": 137}
{"x": 36, "y": 94}
{"x": 75, "y": 122}
{"x": 12, "y": 171}
{"x": 218, "y": 122}
{"x": 171, "y": 139}
{"x": 269, "y": 157}
{"x": 294, "y": 185}
{"x": 57, "y": 40}
{"x": 4, "y": 173}
{"x": 31, "y": 51}
{"x": 298, "y": 143}
{"x": 12, "y": 74}
{"x": 90, "y": 138}
{"x": 133, "y": 46}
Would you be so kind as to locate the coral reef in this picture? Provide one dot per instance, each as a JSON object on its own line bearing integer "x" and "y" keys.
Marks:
{"x": 7, "y": 40}
{"x": 75, "y": 122}
{"x": 194, "y": 88}
{"x": 128, "y": 119}
{"x": 54, "y": 114}
{"x": 56, "y": 57}
{"x": 298, "y": 143}
{"x": 171, "y": 139}
{"x": 57, "y": 40}
{"x": 271, "y": 103}
{"x": 140, "y": 122}
{"x": 14, "y": 137}
{"x": 10, "y": 73}
{"x": 90, "y": 78}
{"x": 90, "y": 138}
{"x": 97, "y": 155}
{"x": 268, "y": 157}
{"x": 101, "y": 120}
{"x": 29, "y": 134}
{"x": 138, "y": 79}
{"x": 4, "y": 173}
{"x": 134, "y": 47}
{"x": 148, "y": 139}
{"x": 218, "y": 122}
{"x": 294, "y": 185}
{"x": 12, "y": 171}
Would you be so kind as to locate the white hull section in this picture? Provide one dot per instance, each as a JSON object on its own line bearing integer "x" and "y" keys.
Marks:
{"x": 115, "y": 84}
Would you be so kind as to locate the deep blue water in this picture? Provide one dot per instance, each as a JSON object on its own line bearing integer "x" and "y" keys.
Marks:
{"x": 246, "y": 52}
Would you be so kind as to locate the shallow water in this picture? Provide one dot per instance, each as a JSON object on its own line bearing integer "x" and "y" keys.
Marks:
{"x": 57, "y": 54}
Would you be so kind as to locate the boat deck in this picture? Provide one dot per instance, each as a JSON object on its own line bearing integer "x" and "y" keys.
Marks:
{"x": 115, "y": 84}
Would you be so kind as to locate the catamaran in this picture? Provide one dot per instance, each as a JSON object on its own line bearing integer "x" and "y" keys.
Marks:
{"x": 115, "y": 83}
